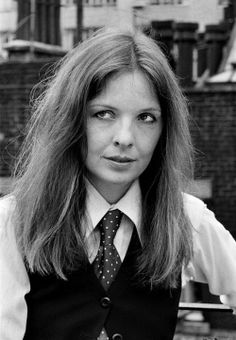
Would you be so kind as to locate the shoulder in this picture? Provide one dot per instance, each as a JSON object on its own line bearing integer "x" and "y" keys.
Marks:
{"x": 194, "y": 209}
{"x": 7, "y": 202}
{"x": 7, "y": 206}
{"x": 7, "y": 213}
{"x": 203, "y": 220}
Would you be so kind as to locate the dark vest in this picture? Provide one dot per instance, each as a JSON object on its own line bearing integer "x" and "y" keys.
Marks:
{"x": 78, "y": 308}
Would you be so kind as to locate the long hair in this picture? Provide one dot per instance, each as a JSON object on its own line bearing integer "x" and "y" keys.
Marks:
{"x": 50, "y": 185}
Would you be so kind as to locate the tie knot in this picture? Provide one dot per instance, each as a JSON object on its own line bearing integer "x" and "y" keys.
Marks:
{"x": 109, "y": 225}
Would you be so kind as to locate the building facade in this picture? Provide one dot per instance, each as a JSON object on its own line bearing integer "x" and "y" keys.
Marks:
{"x": 180, "y": 23}
{"x": 99, "y": 13}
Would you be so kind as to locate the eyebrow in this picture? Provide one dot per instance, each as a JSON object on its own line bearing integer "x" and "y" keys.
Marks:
{"x": 107, "y": 106}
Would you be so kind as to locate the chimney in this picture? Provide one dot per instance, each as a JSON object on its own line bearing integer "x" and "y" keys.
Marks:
{"x": 38, "y": 32}
{"x": 164, "y": 33}
{"x": 39, "y": 20}
{"x": 215, "y": 37}
{"x": 201, "y": 55}
{"x": 185, "y": 37}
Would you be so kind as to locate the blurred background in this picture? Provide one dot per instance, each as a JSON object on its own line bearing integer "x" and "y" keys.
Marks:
{"x": 199, "y": 40}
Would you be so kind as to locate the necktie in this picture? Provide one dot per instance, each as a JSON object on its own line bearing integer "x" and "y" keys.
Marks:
{"x": 107, "y": 261}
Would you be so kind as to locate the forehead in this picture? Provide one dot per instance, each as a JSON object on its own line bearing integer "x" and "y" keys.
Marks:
{"x": 134, "y": 88}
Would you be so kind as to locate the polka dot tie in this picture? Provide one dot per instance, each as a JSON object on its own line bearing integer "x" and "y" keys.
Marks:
{"x": 107, "y": 261}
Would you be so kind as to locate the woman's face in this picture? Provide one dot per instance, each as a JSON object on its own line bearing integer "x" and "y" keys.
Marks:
{"x": 123, "y": 127}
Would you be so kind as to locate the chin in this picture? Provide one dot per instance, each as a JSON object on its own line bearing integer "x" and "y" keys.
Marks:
{"x": 121, "y": 182}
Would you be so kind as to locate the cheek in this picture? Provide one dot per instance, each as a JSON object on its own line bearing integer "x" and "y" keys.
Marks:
{"x": 93, "y": 136}
{"x": 91, "y": 143}
{"x": 149, "y": 143}
{"x": 97, "y": 141}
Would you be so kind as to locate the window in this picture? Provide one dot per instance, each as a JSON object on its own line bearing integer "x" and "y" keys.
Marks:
{"x": 68, "y": 2}
{"x": 99, "y": 2}
{"x": 169, "y": 2}
{"x": 223, "y": 2}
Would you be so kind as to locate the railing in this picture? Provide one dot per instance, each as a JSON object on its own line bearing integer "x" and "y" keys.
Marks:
{"x": 168, "y": 2}
{"x": 211, "y": 307}
{"x": 96, "y": 3}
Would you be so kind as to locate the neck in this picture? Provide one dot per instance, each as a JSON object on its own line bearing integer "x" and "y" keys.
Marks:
{"x": 112, "y": 193}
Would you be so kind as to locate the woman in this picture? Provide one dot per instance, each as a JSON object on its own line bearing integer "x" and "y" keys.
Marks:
{"x": 109, "y": 134}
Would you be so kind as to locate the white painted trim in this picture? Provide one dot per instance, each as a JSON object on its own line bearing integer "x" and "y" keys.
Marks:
{"x": 201, "y": 188}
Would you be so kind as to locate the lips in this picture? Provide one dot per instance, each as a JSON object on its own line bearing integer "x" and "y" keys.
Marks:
{"x": 120, "y": 159}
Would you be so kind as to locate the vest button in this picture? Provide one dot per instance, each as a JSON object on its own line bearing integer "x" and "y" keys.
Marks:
{"x": 105, "y": 302}
{"x": 117, "y": 336}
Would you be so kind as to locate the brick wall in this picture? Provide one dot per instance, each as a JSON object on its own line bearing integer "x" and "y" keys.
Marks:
{"x": 16, "y": 82}
{"x": 214, "y": 133}
{"x": 213, "y": 129}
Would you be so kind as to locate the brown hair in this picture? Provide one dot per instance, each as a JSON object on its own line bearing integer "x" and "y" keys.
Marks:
{"x": 50, "y": 175}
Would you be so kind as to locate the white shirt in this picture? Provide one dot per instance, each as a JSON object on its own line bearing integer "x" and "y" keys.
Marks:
{"x": 97, "y": 207}
{"x": 213, "y": 261}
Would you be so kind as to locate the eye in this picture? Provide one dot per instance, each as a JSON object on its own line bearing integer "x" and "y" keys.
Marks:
{"x": 105, "y": 114}
{"x": 147, "y": 117}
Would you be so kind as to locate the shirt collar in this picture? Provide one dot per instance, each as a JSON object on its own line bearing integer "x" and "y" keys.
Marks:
{"x": 129, "y": 204}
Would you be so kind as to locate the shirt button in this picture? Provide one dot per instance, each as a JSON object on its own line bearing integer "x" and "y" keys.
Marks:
{"x": 105, "y": 302}
{"x": 117, "y": 336}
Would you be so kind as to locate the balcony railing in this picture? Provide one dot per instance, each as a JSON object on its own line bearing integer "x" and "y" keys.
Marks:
{"x": 97, "y": 3}
{"x": 211, "y": 307}
{"x": 168, "y": 2}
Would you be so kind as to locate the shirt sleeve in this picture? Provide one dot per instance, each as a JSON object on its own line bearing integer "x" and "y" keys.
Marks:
{"x": 214, "y": 253}
{"x": 14, "y": 281}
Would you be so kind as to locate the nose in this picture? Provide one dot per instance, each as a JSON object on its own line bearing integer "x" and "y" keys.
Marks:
{"x": 123, "y": 136}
